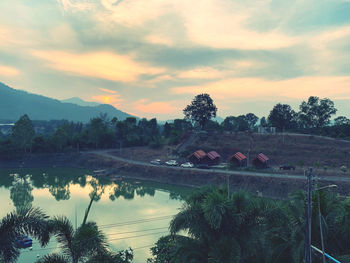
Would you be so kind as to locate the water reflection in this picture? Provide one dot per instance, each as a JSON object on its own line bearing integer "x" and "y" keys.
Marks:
{"x": 21, "y": 191}
{"x": 66, "y": 191}
{"x": 58, "y": 182}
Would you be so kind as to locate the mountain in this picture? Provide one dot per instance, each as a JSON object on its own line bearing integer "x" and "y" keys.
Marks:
{"x": 15, "y": 103}
{"x": 80, "y": 102}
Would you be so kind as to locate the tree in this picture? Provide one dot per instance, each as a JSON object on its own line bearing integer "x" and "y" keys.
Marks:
{"x": 200, "y": 110}
{"x": 220, "y": 227}
{"x": 251, "y": 119}
{"x": 282, "y": 116}
{"x": 341, "y": 120}
{"x": 25, "y": 221}
{"x": 23, "y": 133}
{"x": 316, "y": 113}
{"x": 85, "y": 244}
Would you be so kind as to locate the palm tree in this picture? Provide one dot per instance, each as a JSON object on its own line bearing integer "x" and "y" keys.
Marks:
{"x": 85, "y": 244}
{"x": 220, "y": 228}
{"x": 76, "y": 245}
{"x": 25, "y": 221}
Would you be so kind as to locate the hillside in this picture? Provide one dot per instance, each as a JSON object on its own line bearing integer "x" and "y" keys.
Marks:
{"x": 14, "y": 103}
{"x": 294, "y": 149}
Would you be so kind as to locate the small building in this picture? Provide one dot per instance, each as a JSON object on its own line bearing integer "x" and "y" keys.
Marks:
{"x": 197, "y": 157}
{"x": 261, "y": 161}
{"x": 238, "y": 159}
{"x": 266, "y": 130}
{"x": 212, "y": 158}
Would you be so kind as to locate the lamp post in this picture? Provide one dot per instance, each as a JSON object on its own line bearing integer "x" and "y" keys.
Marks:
{"x": 320, "y": 219}
{"x": 308, "y": 258}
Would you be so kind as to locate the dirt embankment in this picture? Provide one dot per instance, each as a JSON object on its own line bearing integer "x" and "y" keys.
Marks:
{"x": 265, "y": 186}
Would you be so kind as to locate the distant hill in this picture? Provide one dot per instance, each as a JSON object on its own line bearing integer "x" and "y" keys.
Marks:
{"x": 80, "y": 102}
{"x": 14, "y": 103}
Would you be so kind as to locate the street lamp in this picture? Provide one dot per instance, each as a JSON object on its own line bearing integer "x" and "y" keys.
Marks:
{"x": 308, "y": 246}
{"x": 319, "y": 217}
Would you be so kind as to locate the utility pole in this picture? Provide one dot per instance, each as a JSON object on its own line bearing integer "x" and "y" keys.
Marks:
{"x": 308, "y": 258}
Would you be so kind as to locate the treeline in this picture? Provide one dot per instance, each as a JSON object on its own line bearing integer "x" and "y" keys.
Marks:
{"x": 214, "y": 226}
{"x": 100, "y": 132}
{"x": 313, "y": 117}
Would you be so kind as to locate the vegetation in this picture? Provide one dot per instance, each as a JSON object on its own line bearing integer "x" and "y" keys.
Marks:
{"x": 101, "y": 132}
{"x": 237, "y": 227}
{"x": 201, "y": 110}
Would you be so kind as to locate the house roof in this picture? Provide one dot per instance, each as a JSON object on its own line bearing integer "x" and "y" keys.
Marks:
{"x": 213, "y": 155}
{"x": 262, "y": 158}
{"x": 239, "y": 156}
{"x": 199, "y": 154}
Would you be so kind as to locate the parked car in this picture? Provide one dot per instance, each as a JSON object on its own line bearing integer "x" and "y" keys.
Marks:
{"x": 287, "y": 167}
{"x": 187, "y": 165}
{"x": 172, "y": 163}
{"x": 156, "y": 162}
{"x": 203, "y": 166}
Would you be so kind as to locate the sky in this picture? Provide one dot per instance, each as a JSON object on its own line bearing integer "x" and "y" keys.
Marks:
{"x": 150, "y": 58}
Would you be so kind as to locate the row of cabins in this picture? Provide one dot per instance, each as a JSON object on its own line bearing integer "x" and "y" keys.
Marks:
{"x": 238, "y": 159}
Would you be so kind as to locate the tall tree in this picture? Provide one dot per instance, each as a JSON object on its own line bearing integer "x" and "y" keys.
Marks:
{"x": 23, "y": 133}
{"x": 200, "y": 110}
{"x": 316, "y": 112}
{"x": 282, "y": 116}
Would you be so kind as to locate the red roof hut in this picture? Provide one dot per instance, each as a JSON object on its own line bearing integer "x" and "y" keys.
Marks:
{"x": 238, "y": 159}
{"x": 212, "y": 158}
{"x": 261, "y": 161}
{"x": 197, "y": 157}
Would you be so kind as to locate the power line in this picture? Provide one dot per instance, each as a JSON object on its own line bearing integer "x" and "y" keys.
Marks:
{"x": 121, "y": 238}
{"x": 129, "y": 232}
{"x": 139, "y": 221}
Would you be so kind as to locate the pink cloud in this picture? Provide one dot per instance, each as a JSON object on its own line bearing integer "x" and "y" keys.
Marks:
{"x": 107, "y": 90}
{"x": 8, "y": 71}
{"x": 155, "y": 107}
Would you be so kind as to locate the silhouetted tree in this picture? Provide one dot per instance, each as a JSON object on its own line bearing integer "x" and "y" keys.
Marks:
{"x": 23, "y": 133}
{"x": 282, "y": 116}
{"x": 316, "y": 113}
{"x": 200, "y": 110}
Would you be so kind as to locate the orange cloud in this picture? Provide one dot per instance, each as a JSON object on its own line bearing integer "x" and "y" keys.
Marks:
{"x": 298, "y": 88}
{"x": 156, "y": 107}
{"x": 107, "y": 90}
{"x": 8, "y": 71}
{"x": 104, "y": 65}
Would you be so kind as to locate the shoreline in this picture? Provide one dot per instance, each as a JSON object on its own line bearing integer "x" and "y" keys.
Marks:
{"x": 260, "y": 185}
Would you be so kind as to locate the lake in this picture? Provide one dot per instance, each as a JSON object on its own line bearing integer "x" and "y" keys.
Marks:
{"x": 132, "y": 213}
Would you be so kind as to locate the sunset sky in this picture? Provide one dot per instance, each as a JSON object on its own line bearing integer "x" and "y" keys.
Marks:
{"x": 150, "y": 58}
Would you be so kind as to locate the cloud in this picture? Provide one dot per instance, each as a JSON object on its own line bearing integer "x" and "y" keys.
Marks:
{"x": 68, "y": 5}
{"x": 155, "y": 107}
{"x": 8, "y": 71}
{"x": 297, "y": 88}
{"x": 107, "y": 90}
{"x": 104, "y": 65}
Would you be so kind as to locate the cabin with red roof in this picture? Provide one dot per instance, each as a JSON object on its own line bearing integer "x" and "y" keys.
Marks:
{"x": 197, "y": 157}
{"x": 261, "y": 161}
{"x": 238, "y": 159}
{"x": 212, "y": 158}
